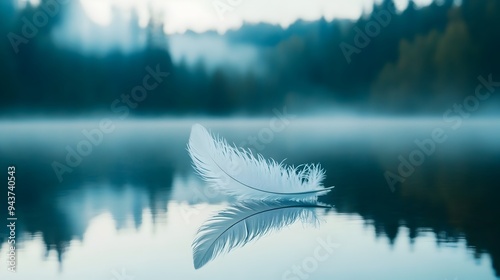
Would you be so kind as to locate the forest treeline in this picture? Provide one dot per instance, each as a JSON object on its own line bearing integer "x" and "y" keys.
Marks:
{"x": 418, "y": 60}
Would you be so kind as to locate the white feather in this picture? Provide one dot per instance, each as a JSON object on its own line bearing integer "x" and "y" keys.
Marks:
{"x": 236, "y": 171}
{"x": 242, "y": 223}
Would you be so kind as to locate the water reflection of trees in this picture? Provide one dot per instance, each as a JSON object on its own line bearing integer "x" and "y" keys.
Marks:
{"x": 454, "y": 195}
{"x": 456, "y": 198}
{"x": 105, "y": 182}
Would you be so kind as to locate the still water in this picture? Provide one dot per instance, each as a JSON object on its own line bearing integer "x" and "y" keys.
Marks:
{"x": 131, "y": 207}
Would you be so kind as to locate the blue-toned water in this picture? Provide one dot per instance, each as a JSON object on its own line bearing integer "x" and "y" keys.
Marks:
{"x": 131, "y": 205}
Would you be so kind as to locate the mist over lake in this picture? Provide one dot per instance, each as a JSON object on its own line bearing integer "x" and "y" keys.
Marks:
{"x": 249, "y": 140}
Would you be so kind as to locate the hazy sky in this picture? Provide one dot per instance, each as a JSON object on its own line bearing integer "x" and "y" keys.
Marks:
{"x": 201, "y": 15}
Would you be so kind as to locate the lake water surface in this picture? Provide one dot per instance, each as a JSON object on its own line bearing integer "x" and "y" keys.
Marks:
{"x": 131, "y": 208}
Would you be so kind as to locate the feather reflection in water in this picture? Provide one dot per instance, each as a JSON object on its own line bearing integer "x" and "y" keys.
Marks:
{"x": 239, "y": 224}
